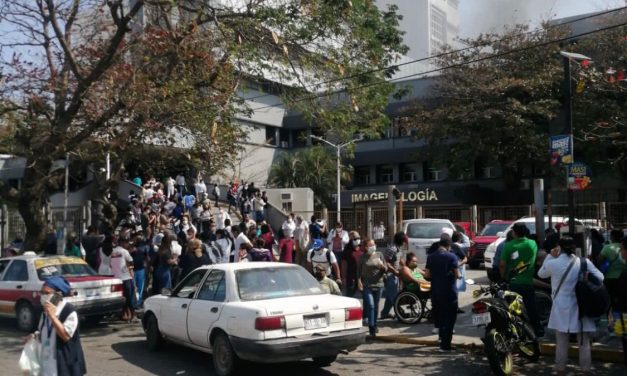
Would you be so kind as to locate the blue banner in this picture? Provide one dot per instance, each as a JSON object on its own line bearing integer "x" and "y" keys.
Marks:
{"x": 561, "y": 150}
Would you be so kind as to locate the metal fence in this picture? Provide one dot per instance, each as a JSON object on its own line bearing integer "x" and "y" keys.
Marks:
{"x": 12, "y": 225}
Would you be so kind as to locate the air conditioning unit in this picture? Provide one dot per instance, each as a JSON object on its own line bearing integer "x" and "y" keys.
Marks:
{"x": 525, "y": 184}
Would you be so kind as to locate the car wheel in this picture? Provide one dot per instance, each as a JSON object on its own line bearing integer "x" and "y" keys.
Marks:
{"x": 324, "y": 361}
{"x": 153, "y": 335}
{"x": 25, "y": 314}
{"x": 225, "y": 361}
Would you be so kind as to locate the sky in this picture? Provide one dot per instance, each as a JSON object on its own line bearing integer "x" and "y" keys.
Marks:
{"x": 477, "y": 16}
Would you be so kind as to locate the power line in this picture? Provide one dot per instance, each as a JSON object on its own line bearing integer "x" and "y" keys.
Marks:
{"x": 532, "y": 32}
{"x": 381, "y": 82}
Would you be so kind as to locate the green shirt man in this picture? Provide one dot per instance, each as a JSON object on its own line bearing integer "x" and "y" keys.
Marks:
{"x": 518, "y": 252}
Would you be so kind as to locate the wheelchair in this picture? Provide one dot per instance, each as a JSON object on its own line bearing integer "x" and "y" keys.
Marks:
{"x": 411, "y": 308}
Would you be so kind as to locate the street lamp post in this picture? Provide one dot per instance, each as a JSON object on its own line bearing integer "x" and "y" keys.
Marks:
{"x": 568, "y": 117}
{"x": 338, "y": 148}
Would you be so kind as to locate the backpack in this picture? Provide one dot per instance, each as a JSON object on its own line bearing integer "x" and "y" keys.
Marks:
{"x": 592, "y": 296}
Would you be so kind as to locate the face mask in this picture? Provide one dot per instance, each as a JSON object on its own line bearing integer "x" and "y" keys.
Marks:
{"x": 45, "y": 298}
{"x": 356, "y": 242}
{"x": 371, "y": 250}
{"x": 290, "y": 220}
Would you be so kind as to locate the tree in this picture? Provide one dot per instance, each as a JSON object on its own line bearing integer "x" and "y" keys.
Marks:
{"x": 313, "y": 168}
{"x": 492, "y": 104}
{"x": 85, "y": 76}
{"x": 498, "y": 98}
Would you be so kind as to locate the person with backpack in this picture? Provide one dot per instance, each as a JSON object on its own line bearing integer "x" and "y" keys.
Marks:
{"x": 319, "y": 255}
{"x": 565, "y": 270}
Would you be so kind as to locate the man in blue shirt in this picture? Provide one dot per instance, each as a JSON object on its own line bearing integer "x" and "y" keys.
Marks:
{"x": 442, "y": 269}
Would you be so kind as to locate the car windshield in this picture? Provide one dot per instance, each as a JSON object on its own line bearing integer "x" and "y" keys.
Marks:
{"x": 275, "y": 282}
{"x": 425, "y": 230}
{"x": 491, "y": 229}
{"x": 65, "y": 270}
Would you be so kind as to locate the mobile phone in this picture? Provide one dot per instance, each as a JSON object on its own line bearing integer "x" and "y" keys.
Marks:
{"x": 56, "y": 299}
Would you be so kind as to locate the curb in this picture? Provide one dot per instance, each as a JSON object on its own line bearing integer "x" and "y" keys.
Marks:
{"x": 546, "y": 349}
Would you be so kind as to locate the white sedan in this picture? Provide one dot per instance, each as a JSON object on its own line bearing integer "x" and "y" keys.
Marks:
{"x": 266, "y": 312}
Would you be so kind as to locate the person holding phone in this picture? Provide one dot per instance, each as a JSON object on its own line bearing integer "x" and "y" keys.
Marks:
{"x": 61, "y": 350}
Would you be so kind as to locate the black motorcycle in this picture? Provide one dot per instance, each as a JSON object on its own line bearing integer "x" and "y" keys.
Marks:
{"x": 507, "y": 326}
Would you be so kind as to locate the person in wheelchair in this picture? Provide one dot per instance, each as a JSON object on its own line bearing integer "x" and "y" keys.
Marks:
{"x": 412, "y": 277}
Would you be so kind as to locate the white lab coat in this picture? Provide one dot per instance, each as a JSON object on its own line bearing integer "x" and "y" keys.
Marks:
{"x": 343, "y": 235}
{"x": 565, "y": 311}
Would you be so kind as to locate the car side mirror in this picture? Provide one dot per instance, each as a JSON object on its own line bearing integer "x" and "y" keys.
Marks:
{"x": 500, "y": 234}
{"x": 166, "y": 291}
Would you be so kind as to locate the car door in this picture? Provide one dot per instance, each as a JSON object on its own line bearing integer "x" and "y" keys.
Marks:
{"x": 173, "y": 322}
{"x": 14, "y": 285}
{"x": 205, "y": 309}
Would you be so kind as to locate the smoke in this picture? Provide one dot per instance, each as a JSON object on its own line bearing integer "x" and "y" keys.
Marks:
{"x": 483, "y": 16}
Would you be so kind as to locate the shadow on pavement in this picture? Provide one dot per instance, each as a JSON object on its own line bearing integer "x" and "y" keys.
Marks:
{"x": 179, "y": 360}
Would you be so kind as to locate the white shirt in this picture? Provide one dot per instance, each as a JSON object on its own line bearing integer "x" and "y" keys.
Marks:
{"x": 120, "y": 258}
{"x": 49, "y": 339}
{"x": 180, "y": 180}
{"x": 241, "y": 239}
{"x": 105, "y": 264}
{"x": 319, "y": 257}
{"x": 200, "y": 188}
{"x": 565, "y": 311}
{"x": 379, "y": 232}
{"x": 288, "y": 228}
{"x": 220, "y": 218}
{"x": 301, "y": 235}
{"x": 170, "y": 183}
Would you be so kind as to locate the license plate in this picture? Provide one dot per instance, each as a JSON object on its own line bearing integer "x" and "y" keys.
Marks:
{"x": 92, "y": 293}
{"x": 481, "y": 319}
{"x": 316, "y": 322}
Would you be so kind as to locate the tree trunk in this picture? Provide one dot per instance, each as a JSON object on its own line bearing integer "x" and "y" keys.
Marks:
{"x": 31, "y": 199}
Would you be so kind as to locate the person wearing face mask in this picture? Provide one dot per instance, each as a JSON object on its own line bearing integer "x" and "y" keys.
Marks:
{"x": 337, "y": 240}
{"x": 61, "y": 350}
{"x": 370, "y": 273}
{"x": 301, "y": 240}
{"x": 394, "y": 259}
{"x": 350, "y": 259}
{"x": 289, "y": 226}
{"x": 327, "y": 284}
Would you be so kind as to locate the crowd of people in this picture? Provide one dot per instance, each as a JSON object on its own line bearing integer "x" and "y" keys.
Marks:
{"x": 171, "y": 229}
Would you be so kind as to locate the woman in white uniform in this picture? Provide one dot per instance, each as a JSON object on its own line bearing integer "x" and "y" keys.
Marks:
{"x": 61, "y": 350}
{"x": 564, "y": 317}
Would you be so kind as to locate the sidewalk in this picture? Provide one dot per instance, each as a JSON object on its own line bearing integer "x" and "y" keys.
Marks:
{"x": 606, "y": 348}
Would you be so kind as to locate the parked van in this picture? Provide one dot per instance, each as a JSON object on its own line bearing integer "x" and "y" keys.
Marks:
{"x": 422, "y": 233}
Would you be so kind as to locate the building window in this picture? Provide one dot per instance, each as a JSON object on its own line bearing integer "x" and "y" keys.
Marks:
{"x": 284, "y": 137}
{"x": 454, "y": 3}
{"x": 436, "y": 174}
{"x": 409, "y": 173}
{"x": 271, "y": 136}
{"x": 489, "y": 172}
{"x": 438, "y": 27}
{"x": 385, "y": 174}
{"x": 362, "y": 175}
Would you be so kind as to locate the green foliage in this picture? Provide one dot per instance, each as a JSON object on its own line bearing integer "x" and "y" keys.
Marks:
{"x": 495, "y": 110}
{"x": 314, "y": 168}
{"x": 95, "y": 80}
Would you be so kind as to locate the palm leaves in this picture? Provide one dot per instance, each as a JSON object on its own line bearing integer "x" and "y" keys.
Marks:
{"x": 314, "y": 167}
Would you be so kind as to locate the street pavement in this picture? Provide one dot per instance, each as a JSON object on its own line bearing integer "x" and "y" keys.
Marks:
{"x": 118, "y": 348}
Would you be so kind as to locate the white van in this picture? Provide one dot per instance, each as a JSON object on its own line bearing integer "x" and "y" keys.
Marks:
{"x": 422, "y": 233}
{"x": 530, "y": 223}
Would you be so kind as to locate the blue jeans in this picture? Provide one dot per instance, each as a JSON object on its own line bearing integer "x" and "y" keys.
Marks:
{"x": 163, "y": 276}
{"x": 140, "y": 278}
{"x": 391, "y": 291}
{"x": 371, "y": 306}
